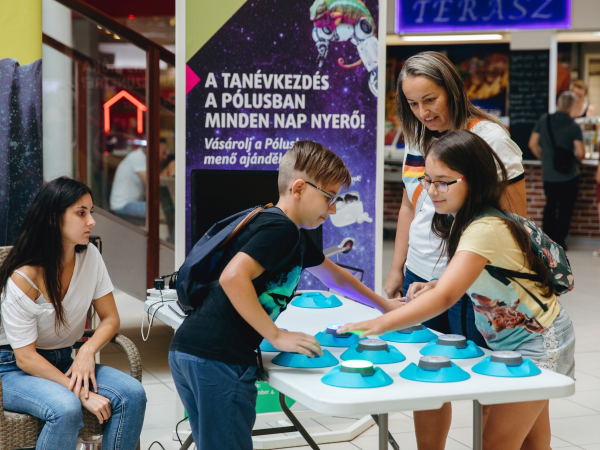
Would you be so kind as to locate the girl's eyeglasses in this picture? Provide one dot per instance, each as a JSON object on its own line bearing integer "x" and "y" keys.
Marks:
{"x": 440, "y": 186}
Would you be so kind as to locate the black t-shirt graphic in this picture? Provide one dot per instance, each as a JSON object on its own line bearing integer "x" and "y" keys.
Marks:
{"x": 215, "y": 330}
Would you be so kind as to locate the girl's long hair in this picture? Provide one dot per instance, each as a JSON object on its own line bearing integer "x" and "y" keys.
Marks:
{"x": 39, "y": 242}
{"x": 469, "y": 155}
{"x": 441, "y": 71}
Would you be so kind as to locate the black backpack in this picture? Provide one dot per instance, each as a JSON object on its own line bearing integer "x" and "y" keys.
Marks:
{"x": 563, "y": 157}
{"x": 197, "y": 277}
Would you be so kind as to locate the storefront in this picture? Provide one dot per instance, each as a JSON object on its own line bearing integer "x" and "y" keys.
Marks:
{"x": 491, "y": 72}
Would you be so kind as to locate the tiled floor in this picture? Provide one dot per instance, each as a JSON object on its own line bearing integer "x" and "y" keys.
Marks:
{"x": 575, "y": 420}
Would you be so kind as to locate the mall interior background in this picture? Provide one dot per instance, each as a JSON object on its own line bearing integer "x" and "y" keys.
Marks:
{"x": 85, "y": 65}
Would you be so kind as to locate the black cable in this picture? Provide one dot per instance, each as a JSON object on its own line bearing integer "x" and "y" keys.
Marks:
{"x": 177, "y": 431}
{"x": 156, "y": 442}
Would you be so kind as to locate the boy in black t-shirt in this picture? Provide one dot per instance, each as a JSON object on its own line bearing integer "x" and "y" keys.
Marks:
{"x": 212, "y": 355}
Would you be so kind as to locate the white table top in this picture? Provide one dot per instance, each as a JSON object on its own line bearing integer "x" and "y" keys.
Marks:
{"x": 163, "y": 312}
{"x": 305, "y": 386}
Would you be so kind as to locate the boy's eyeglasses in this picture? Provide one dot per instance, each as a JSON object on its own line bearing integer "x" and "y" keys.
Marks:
{"x": 440, "y": 186}
{"x": 330, "y": 197}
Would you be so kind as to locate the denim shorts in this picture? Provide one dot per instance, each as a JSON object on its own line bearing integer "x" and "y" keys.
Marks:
{"x": 554, "y": 348}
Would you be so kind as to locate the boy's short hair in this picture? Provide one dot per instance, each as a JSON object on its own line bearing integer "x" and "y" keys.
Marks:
{"x": 315, "y": 161}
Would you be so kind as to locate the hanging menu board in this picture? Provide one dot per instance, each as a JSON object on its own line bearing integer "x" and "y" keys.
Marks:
{"x": 528, "y": 94}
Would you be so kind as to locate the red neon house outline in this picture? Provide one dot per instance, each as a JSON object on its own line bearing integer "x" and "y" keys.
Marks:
{"x": 140, "y": 109}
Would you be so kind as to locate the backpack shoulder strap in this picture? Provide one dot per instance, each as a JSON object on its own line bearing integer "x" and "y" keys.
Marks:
{"x": 244, "y": 222}
{"x": 488, "y": 211}
{"x": 283, "y": 262}
{"x": 503, "y": 275}
{"x": 267, "y": 208}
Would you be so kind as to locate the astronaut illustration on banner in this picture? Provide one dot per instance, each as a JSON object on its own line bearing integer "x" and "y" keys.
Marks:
{"x": 349, "y": 210}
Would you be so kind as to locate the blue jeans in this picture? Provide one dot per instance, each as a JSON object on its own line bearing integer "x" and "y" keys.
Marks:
{"x": 220, "y": 400}
{"x": 451, "y": 321}
{"x": 61, "y": 410}
{"x": 135, "y": 209}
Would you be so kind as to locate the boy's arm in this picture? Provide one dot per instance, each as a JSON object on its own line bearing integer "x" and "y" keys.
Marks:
{"x": 342, "y": 281}
{"x": 236, "y": 281}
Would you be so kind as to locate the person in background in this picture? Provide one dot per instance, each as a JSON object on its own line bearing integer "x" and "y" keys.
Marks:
{"x": 167, "y": 166}
{"x": 581, "y": 108}
{"x": 560, "y": 188}
{"x": 48, "y": 282}
{"x": 128, "y": 193}
{"x": 431, "y": 100}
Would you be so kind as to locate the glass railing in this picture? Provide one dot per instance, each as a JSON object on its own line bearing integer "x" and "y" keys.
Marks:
{"x": 109, "y": 116}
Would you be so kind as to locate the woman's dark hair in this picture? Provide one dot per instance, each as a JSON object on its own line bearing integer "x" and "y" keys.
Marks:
{"x": 441, "y": 71}
{"x": 39, "y": 242}
{"x": 469, "y": 155}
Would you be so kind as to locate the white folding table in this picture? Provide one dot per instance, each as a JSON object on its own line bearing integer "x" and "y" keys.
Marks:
{"x": 305, "y": 386}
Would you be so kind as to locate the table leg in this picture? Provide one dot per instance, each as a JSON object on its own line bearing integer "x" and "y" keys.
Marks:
{"x": 189, "y": 441}
{"x": 290, "y": 415}
{"x": 477, "y": 425}
{"x": 391, "y": 439}
{"x": 382, "y": 423}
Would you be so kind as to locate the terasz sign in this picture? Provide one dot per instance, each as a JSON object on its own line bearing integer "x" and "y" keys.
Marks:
{"x": 418, "y": 16}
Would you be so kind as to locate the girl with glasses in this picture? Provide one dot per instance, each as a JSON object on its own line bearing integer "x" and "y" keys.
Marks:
{"x": 431, "y": 100}
{"x": 461, "y": 175}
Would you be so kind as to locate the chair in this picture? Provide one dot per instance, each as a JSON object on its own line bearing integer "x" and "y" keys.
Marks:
{"x": 19, "y": 431}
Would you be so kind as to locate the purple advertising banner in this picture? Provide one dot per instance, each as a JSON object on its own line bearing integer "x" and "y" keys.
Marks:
{"x": 282, "y": 71}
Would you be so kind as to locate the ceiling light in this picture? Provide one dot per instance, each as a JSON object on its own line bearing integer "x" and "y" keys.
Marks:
{"x": 456, "y": 37}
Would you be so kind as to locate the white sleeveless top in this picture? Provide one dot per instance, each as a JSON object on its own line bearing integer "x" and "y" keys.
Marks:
{"x": 24, "y": 321}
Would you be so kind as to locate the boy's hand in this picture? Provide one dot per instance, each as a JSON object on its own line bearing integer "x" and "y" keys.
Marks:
{"x": 296, "y": 342}
{"x": 366, "y": 328}
{"x": 395, "y": 303}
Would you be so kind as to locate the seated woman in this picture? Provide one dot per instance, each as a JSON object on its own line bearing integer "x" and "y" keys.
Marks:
{"x": 48, "y": 281}
{"x": 461, "y": 179}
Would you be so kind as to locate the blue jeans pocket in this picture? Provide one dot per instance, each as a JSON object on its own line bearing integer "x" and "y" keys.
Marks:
{"x": 7, "y": 358}
{"x": 248, "y": 374}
